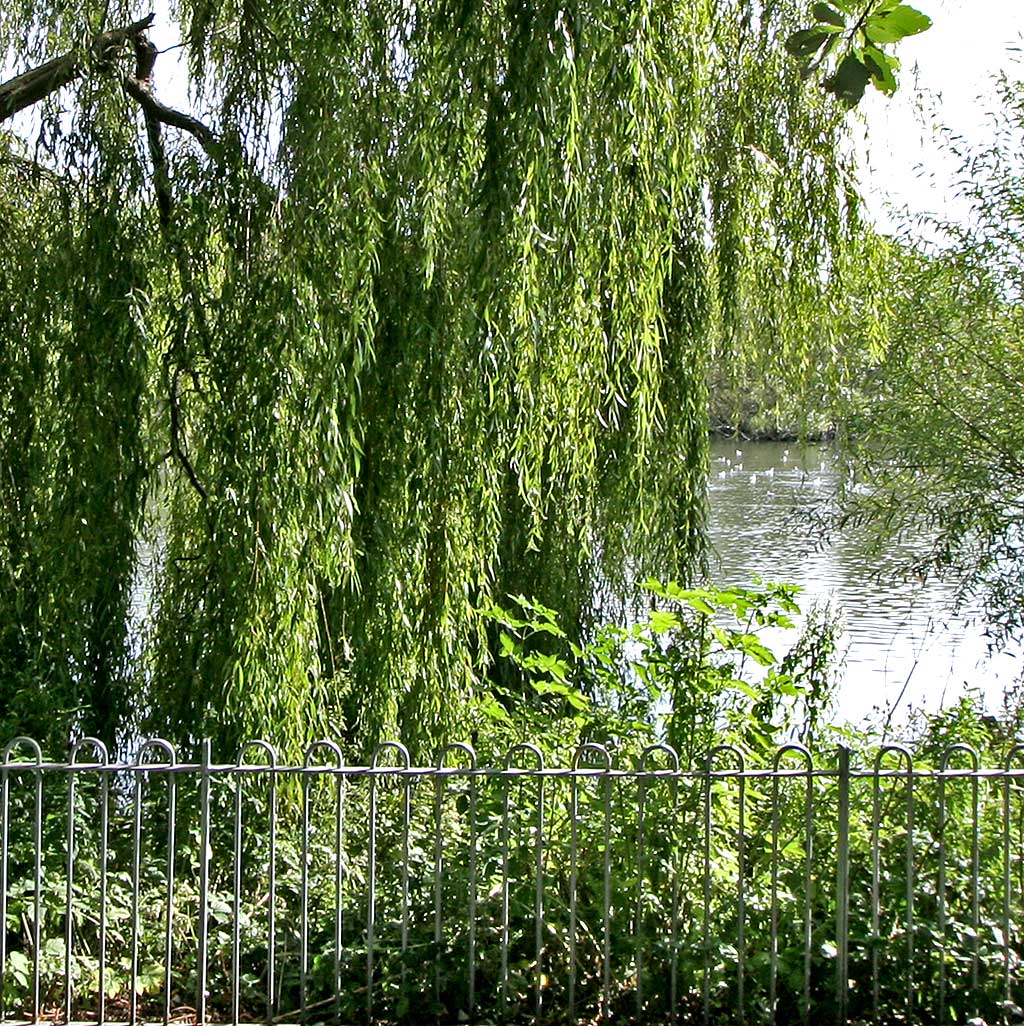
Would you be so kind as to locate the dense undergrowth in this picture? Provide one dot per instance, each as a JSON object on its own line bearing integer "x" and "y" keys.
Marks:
{"x": 419, "y": 896}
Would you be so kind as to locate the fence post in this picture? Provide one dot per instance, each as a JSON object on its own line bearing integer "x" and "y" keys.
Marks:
{"x": 843, "y": 886}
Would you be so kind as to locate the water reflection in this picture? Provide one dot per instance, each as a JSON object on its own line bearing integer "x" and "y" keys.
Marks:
{"x": 905, "y": 646}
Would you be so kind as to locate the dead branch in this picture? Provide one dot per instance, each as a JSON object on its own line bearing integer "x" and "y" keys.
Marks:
{"x": 32, "y": 86}
{"x": 153, "y": 108}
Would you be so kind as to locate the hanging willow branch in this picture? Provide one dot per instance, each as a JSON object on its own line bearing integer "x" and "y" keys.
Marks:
{"x": 449, "y": 312}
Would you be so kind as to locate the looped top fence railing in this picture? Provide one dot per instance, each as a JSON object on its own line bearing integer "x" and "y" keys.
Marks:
{"x": 798, "y": 886}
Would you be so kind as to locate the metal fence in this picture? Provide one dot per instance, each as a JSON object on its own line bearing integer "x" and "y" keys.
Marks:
{"x": 811, "y": 888}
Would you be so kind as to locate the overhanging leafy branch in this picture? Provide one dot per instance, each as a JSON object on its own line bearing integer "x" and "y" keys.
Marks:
{"x": 850, "y": 38}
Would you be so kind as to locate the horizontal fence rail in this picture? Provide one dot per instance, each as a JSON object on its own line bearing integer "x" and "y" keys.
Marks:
{"x": 813, "y": 888}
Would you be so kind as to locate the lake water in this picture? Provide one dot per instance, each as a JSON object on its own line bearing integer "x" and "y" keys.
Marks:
{"x": 905, "y": 646}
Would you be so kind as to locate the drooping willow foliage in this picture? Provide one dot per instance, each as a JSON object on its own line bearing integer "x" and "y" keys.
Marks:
{"x": 419, "y": 315}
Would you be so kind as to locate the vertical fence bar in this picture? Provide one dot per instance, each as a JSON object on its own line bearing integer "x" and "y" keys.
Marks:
{"x": 371, "y": 891}
{"x": 705, "y": 988}
{"x": 975, "y": 882}
{"x": 510, "y": 767}
{"x": 741, "y": 895}
{"x": 538, "y": 895}
{"x": 205, "y": 756}
{"x": 644, "y": 773}
{"x": 37, "y": 881}
{"x": 843, "y": 886}
{"x": 309, "y": 773}
{"x": 377, "y": 769}
{"x": 69, "y": 892}
{"x": 406, "y": 785}
{"x": 876, "y": 884}
{"x": 777, "y": 774}
{"x": 172, "y": 820}
{"x": 573, "y": 871}
{"x": 941, "y": 890}
{"x": 441, "y": 772}
{"x": 104, "y": 842}
{"x": 406, "y": 780}
{"x": 773, "y": 929}
{"x": 601, "y": 754}
{"x": 805, "y": 1005}
{"x": 438, "y": 890}
{"x": 242, "y": 767}
{"x": 236, "y": 893}
{"x": 272, "y": 991}
{"x": 37, "y": 849}
{"x": 141, "y": 769}
{"x": 738, "y": 771}
{"x": 339, "y": 882}
{"x": 944, "y": 772}
{"x": 304, "y": 887}
{"x": 136, "y": 882}
{"x": 639, "y": 922}
{"x": 909, "y": 874}
{"x": 904, "y": 756}
{"x": 675, "y": 869}
{"x": 472, "y": 899}
{"x": 506, "y": 798}
{"x": 4, "y": 846}
{"x": 606, "y": 906}
{"x": 37, "y": 845}
{"x": 74, "y": 768}
{"x": 1016, "y": 752}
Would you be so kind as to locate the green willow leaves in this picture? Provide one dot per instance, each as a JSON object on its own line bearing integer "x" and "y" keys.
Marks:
{"x": 413, "y": 310}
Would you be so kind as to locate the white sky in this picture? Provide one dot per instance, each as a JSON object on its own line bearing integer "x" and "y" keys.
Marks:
{"x": 953, "y": 62}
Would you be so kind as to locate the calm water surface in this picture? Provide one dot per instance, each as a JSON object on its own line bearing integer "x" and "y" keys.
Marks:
{"x": 905, "y": 646}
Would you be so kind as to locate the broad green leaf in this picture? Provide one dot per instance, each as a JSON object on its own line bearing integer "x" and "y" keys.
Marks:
{"x": 882, "y": 67}
{"x": 896, "y": 24}
{"x": 662, "y": 621}
{"x": 751, "y": 645}
{"x": 698, "y": 603}
{"x": 571, "y": 695}
{"x": 806, "y": 42}
{"x": 745, "y": 688}
{"x": 828, "y": 15}
{"x": 492, "y": 708}
{"x": 849, "y": 81}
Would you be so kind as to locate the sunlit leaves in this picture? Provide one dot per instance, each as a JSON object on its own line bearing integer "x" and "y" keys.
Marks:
{"x": 437, "y": 328}
{"x": 854, "y": 34}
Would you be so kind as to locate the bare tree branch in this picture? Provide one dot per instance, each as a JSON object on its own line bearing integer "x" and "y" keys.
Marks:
{"x": 153, "y": 108}
{"x": 32, "y": 86}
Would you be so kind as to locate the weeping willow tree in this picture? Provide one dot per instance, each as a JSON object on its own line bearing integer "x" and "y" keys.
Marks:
{"x": 402, "y": 309}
